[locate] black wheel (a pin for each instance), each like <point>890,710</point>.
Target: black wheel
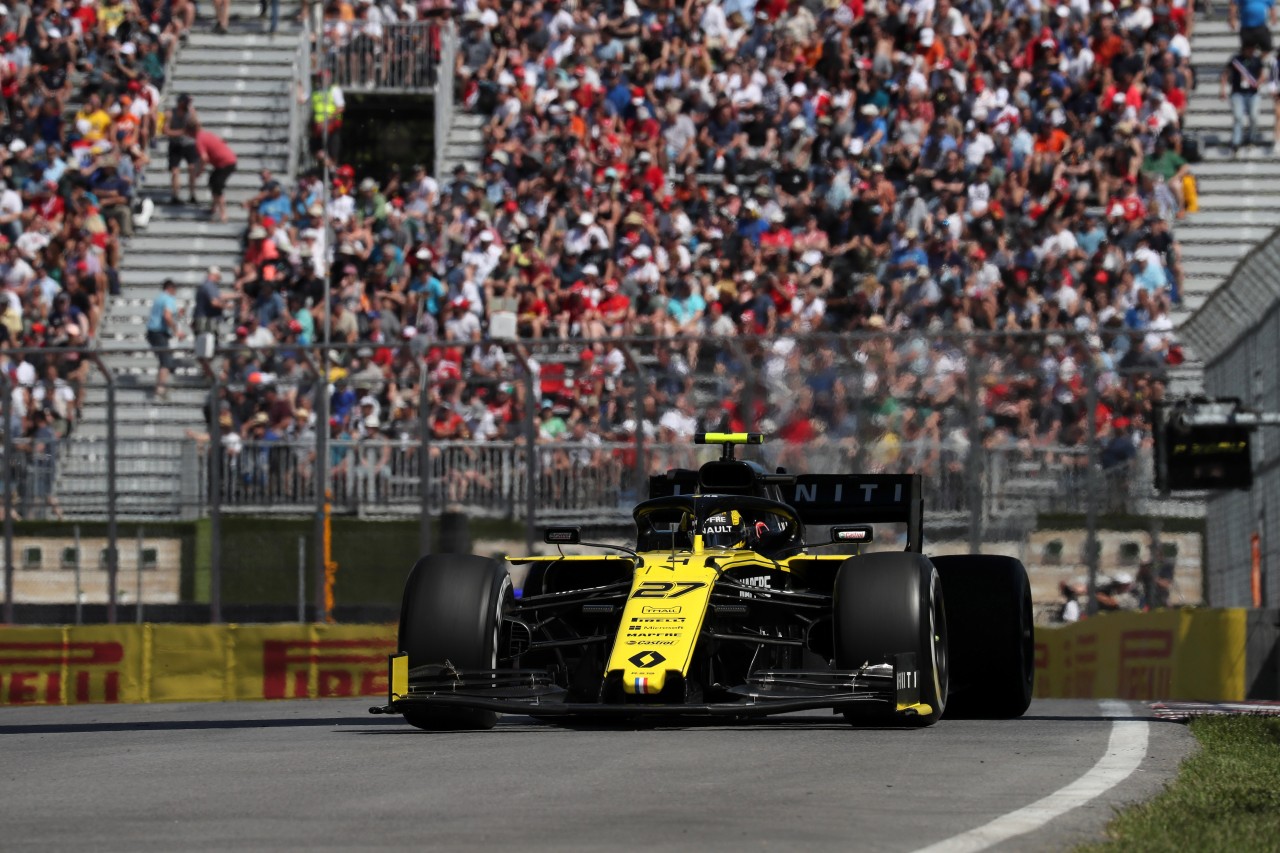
<point>452,611</point>
<point>888,604</point>
<point>992,635</point>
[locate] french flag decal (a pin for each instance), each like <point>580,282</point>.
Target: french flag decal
<point>642,686</point>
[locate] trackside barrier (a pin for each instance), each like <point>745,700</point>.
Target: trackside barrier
<point>1176,654</point>
<point>1196,654</point>
<point>191,663</point>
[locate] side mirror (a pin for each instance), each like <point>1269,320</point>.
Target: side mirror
<point>562,536</point>
<point>852,534</point>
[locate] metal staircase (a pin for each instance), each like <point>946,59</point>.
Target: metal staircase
<point>1238,195</point>
<point>241,83</point>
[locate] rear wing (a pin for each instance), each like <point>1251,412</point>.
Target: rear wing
<point>829,498</point>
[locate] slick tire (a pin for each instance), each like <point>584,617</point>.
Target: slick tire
<point>988,602</point>
<point>452,611</point>
<point>887,604</point>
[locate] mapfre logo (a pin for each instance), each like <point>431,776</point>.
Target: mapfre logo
<point>33,673</point>
<point>340,668</point>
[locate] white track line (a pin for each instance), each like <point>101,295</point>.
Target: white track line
<point>1125,751</point>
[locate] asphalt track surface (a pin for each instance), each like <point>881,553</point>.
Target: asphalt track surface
<point>324,775</point>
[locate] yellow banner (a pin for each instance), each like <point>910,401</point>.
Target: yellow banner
<point>318,661</point>
<point>1194,654</point>
<point>191,663</point>
<point>54,666</point>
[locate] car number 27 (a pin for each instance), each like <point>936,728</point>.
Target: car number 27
<point>666,589</point>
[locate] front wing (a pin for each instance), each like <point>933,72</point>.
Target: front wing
<point>875,690</point>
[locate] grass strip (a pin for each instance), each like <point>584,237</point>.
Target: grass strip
<point>1226,795</point>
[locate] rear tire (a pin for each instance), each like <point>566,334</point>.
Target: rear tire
<point>992,635</point>
<point>887,604</point>
<point>451,611</point>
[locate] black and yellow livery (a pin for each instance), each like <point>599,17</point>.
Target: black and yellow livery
<point>723,608</point>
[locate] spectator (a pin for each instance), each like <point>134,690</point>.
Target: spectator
<point>1116,593</point>
<point>162,326</point>
<point>210,304</point>
<point>180,126</point>
<point>1244,75</point>
<point>1255,20</point>
<point>327,106</point>
<point>215,153</point>
<point>222,16</point>
<point>44,462</point>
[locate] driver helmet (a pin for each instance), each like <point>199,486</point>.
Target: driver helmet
<point>724,530</point>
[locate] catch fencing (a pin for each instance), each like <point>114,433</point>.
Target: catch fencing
<point>538,432</point>
<point>1237,333</point>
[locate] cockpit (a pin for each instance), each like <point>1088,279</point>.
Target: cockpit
<point>720,522</point>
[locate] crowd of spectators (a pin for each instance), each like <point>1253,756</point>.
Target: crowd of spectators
<point>735,174</point>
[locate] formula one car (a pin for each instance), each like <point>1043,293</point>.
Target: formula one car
<point>722,609</point>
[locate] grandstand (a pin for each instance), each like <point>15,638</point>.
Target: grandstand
<point>733,172</point>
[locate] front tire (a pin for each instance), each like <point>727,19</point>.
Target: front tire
<point>451,611</point>
<point>887,604</point>
<point>992,635</point>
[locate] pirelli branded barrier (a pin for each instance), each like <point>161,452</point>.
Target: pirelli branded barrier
<point>1168,654</point>
<point>1175,654</point>
<point>192,663</point>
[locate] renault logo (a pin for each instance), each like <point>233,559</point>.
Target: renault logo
<point>646,660</point>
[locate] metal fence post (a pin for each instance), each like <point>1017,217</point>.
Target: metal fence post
<point>215,488</point>
<point>302,579</point>
<point>113,561</point>
<point>424,458</point>
<point>8,500</point>
<point>642,387</point>
<point>1094,486</point>
<point>531,461</point>
<point>79,588</point>
<point>321,472</point>
<point>137,603</point>
<point>973,464</point>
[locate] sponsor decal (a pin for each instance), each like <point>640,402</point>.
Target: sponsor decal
<point>666,589</point>
<point>908,679</point>
<point>671,608</point>
<point>32,673</point>
<point>761,581</point>
<point>858,492</point>
<point>342,667</point>
<point>647,659</point>
<point>641,623</point>
<point>1146,664</point>
<point>851,535</point>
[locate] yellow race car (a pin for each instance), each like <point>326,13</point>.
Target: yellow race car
<point>723,608</point>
